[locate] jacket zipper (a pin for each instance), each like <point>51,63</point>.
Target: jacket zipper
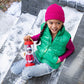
<point>45,50</point>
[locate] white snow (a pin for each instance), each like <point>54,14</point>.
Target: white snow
<point>15,9</point>
<point>6,23</point>
<point>23,27</point>
<point>73,0</point>
<point>77,1</point>
<point>4,60</point>
<point>14,43</point>
<point>9,18</point>
<point>73,18</point>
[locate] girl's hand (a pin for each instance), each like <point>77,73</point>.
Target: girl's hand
<point>58,61</point>
<point>27,38</point>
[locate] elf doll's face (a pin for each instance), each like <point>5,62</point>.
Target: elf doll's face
<point>29,51</point>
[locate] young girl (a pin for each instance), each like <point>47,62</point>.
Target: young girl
<point>55,45</point>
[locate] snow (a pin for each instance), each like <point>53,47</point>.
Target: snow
<point>15,9</point>
<point>5,62</point>
<point>73,18</point>
<point>14,43</point>
<point>9,18</point>
<point>27,24</point>
<point>77,1</point>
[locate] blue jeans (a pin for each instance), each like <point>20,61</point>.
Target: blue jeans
<point>39,69</point>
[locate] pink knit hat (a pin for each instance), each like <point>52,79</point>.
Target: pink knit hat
<point>55,11</point>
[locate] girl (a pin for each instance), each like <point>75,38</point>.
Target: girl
<point>55,46</point>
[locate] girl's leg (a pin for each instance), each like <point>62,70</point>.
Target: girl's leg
<point>17,67</point>
<point>39,69</point>
<point>36,71</point>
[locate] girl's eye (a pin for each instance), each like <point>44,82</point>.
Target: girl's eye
<point>51,22</point>
<point>58,23</point>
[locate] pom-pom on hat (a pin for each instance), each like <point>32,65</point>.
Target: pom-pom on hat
<point>55,11</point>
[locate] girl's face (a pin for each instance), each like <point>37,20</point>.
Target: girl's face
<point>54,26</point>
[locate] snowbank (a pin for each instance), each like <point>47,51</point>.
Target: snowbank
<point>78,4</point>
<point>15,9</point>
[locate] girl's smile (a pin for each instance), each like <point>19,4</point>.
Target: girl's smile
<point>53,30</point>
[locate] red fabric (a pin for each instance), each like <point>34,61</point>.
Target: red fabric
<point>70,49</point>
<point>35,37</point>
<point>30,57</point>
<point>69,46</point>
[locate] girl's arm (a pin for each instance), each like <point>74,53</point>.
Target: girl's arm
<point>70,49</point>
<point>35,37</point>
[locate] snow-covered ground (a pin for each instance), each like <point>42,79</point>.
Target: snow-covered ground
<point>27,24</point>
<point>77,1</point>
<point>8,19</point>
<point>15,9</point>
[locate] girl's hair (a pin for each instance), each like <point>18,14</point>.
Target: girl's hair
<point>62,27</point>
<point>41,33</point>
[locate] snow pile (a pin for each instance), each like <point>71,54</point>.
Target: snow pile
<point>6,23</point>
<point>8,19</point>
<point>76,1</point>
<point>4,60</point>
<point>15,9</point>
<point>81,1</point>
<point>14,42</point>
<point>73,18</point>
<point>78,4</point>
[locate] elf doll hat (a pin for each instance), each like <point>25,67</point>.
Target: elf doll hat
<point>29,47</point>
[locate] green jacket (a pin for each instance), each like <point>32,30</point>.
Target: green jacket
<point>49,51</point>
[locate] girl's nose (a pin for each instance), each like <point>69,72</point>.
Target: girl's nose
<point>54,25</point>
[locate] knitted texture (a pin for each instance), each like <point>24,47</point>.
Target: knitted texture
<point>55,11</point>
